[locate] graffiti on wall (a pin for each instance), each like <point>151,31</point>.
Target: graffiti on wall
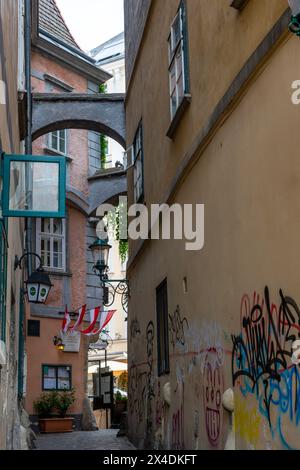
<point>135,328</point>
<point>178,424</point>
<point>177,328</point>
<point>264,358</point>
<point>213,389</point>
<point>248,421</point>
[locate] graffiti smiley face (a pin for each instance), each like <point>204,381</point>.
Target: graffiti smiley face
<point>212,396</point>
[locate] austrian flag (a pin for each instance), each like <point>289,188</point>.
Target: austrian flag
<point>95,315</point>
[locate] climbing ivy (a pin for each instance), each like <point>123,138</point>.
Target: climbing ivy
<point>103,138</point>
<point>114,221</point>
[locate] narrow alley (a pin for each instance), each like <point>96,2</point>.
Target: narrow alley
<point>94,440</point>
<point>149,226</point>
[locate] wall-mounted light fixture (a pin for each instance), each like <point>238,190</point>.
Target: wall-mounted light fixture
<point>58,343</point>
<point>294,25</point>
<point>100,251</point>
<point>38,284</point>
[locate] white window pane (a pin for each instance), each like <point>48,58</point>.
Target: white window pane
<point>57,253</point>
<point>45,252</point>
<point>57,226</point>
<point>172,78</point>
<point>180,90</point>
<point>54,140</point>
<point>46,225</point>
<point>178,63</point>
<point>174,103</point>
<point>176,31</point>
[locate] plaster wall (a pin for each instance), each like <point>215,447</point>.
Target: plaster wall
<point>248,178</point>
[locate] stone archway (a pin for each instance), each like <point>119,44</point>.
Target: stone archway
<point>103,113</point>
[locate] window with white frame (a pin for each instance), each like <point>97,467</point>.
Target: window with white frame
<point>138,170</point>
<point>58,141</point>
<point>178,60</point>
<point>51,243</point>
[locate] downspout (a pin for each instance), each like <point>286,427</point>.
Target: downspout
<point>28,140</point>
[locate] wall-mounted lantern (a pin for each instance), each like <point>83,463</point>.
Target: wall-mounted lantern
<point>294,25</point>
<point>58,343</point>
<point>38,284</point>
<point>100,251</point>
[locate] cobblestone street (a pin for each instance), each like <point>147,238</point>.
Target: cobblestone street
<point>105,439</point>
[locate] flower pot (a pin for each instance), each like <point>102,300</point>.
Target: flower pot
<point>56,425</point>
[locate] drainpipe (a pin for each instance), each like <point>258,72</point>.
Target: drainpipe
<point>28,141</point>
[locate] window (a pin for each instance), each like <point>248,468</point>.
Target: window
<point>163,360</point>
<point>138,170</point>
<point>178,60</point>
<point>56,377</point>
<point>51,243</point>
<point>58,141</point>
<point>33,328</point>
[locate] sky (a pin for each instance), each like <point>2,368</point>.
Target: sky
<point>92,22</point>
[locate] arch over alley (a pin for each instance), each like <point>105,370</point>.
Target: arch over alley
<point>102,113</point>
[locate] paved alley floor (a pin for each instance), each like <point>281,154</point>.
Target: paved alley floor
<point>105,439</point>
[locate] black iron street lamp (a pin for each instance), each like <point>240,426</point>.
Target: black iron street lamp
<point>294,25</point>
<point>38,285</point>
<point>100,251</point>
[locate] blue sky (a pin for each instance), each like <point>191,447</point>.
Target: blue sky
<point>92,22</point>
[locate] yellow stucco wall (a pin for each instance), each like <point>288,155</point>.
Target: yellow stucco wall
<point>248,178</point>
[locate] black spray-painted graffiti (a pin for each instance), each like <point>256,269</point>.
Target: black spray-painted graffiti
<point>150,384</point>
<point>141,386</point>
<point>177,327</point>
<point>262,356</point>
<point>135,329</point>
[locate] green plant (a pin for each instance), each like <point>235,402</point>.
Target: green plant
<point>122,381</point>
<point>119,397</point>
<point>63,401</point>
<point>45,404</point>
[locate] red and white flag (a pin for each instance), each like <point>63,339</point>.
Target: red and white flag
<point>94,314</point>
<point>81,313</point>
<point>105,318</point>
<point>66,321</point>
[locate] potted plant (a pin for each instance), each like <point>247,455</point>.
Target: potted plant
<point>59,401</point>
<point>120,406</point>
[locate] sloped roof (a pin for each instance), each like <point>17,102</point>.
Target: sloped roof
<point>110,50</point>
<point>51,21</point>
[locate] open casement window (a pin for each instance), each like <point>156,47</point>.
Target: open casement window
<point>138,169</point>
<point>33,186</point>
<point>51,243</point>
<point>56,377</point>
<point>57,141</point>
<point>178,60</point>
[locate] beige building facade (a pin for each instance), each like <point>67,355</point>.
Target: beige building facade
<point>226,316</point>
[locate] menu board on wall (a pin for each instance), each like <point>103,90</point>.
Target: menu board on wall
<point>72,341</point>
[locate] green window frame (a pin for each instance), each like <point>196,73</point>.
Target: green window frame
<point>3,278</point>
<point>55,379</point>
<point>179,73</point>
<point>61,161</point>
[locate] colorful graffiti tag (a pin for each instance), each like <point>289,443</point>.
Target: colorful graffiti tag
<point>262,358</point>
